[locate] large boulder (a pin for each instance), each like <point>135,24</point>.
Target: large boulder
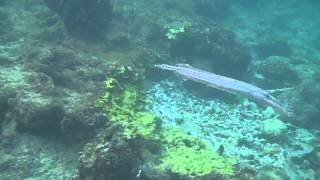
<point>306,103</point>
<point>81,120</point>
<point>84,18</point>
<point>109,156</point>
<point>273,48</point>
<point>36,114</point>
<point>215,9</point>
<point>278,71</point>
<point>213,46</point>
<point>5,25</point>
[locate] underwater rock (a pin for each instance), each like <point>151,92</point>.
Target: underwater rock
<point>246,174</point>
<point>5,25</point>
<point>272,174</point>
<point>57,63</point>
<point>82,120</point>
<point>214,44</point>
<point>36,114</point>
<point>273,48</point>
<point>62,66</point>
<point>303,150</point>
<point>109,156</point>
<point>82,18</point>
<point>51,28</point>
<point>273,129</point>
<point>313,158</point>
<point>4,60</point>
<point>278,71</point>
<point>306,104</point>
<point>7,127</point>
<point>5,160</point>
<point>215,9</point>
<point>5,94</point>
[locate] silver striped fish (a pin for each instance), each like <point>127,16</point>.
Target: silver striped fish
<point>227,84</point>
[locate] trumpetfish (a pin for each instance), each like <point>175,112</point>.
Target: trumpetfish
<point>227,84</point>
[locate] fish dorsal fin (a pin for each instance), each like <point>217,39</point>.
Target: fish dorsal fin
<point>166,67</point>
<point>184,65</point>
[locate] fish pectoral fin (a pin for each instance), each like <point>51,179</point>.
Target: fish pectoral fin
<point>279,90</point>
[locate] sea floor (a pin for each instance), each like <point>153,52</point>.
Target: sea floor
<point>30,157</point>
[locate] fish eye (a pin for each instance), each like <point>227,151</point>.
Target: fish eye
<point>267,96</point>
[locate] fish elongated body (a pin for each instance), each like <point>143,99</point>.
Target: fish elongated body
<point>226,84</point>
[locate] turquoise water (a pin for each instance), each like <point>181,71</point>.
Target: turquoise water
<point>80,97</point>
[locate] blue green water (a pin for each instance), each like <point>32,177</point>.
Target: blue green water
<point>80,97</point>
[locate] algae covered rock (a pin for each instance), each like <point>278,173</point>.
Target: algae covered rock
<point>189,156</point>
<point>123,103</point>
<point>125,108</point>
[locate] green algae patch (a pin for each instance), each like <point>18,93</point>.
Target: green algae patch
<point>124,108</point>
<point>189,156</point>
<point>123,103</point>
<point>146,124</point>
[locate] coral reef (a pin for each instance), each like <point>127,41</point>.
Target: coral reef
<point>274,129</point>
